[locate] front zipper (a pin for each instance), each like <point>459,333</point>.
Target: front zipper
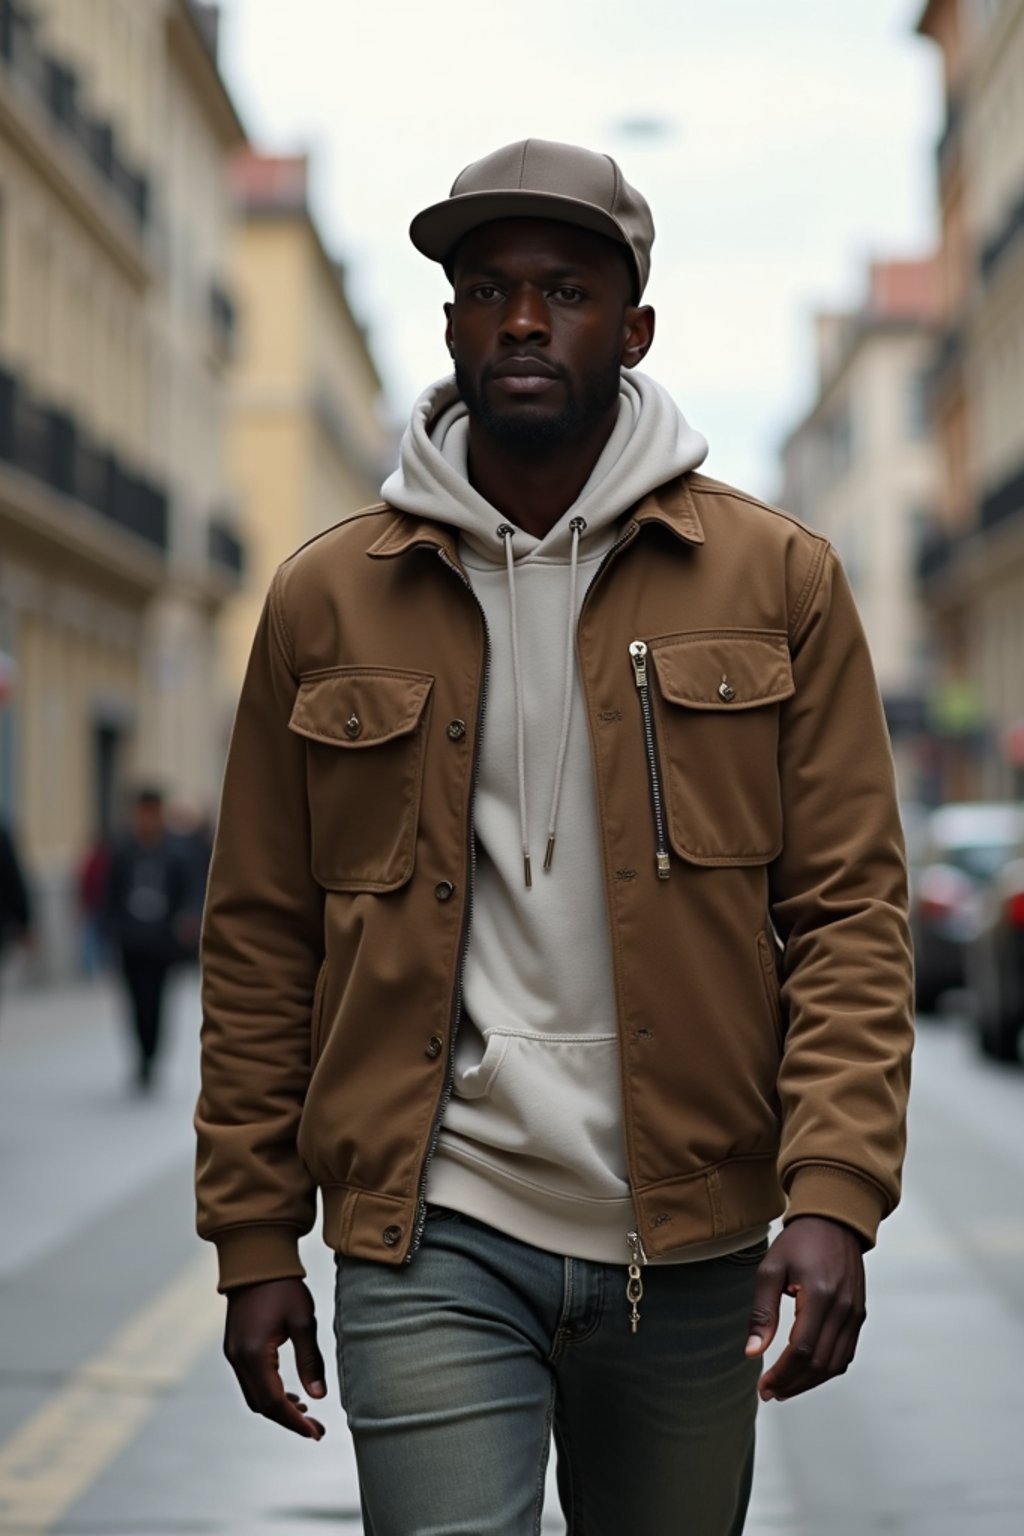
<point>638,656</point>
<point>456,1015</point>
<point>421,1214</point>
<point>634,1281</point>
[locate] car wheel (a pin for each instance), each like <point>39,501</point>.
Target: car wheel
<point>998,1026</point>
<point>999,1040</point>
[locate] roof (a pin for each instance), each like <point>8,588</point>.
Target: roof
<point>270,183</point>
<point>903,290</point>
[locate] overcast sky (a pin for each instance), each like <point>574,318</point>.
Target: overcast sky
<point>787,142</point>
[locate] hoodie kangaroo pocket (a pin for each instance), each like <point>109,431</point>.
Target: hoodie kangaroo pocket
<point>365,739</point>
<point>548,1108</point>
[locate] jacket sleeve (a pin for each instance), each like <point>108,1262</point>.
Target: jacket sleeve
<point>839,903</point>
<point>261,949</point>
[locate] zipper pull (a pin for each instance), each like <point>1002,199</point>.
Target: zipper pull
<point>638,656</point>
<point>635,1284</point>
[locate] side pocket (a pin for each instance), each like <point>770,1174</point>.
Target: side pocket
<point>316,1020</point>
<point>770,981</point>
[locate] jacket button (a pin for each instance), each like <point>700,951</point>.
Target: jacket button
<point>435,1045</point>
<point>353,725</point>
<point>391,1236</point>
<point>726,692</point>
<point>444,890</point>
<point>456,729</point>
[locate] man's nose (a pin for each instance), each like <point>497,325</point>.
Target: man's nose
<point>526,316</point>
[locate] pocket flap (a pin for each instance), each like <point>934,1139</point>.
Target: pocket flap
<point>724,669</point>
<point>360,706</point>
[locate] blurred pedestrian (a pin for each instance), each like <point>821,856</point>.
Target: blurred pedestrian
<point>92,889</point>
<point>147,890</point>
<point>15,903</point>
<point>553,1106</point>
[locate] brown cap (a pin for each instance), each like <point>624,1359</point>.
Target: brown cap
<point>538,179</point>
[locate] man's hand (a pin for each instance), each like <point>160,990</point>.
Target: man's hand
<point>260,1319</point>
<point>819,1263</point>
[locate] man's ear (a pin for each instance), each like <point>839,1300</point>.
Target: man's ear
<point>449,340</point>
<point>639,320</point>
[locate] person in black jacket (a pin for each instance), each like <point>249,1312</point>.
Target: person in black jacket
<point>15,906</point>
<point>147,891</point>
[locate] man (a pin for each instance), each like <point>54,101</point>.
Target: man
<point>15,903</point>
<point>146,892</point>
<point>556,926</point>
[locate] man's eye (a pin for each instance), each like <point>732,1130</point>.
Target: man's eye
<point>568,294</point>
<point>486,291</point>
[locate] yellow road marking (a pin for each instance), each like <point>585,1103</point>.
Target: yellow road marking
<point>60,1451</point>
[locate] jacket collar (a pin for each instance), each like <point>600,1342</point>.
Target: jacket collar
<point>671,504</point>
<point>406,532</point>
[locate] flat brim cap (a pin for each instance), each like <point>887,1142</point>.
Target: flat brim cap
<point>539,179</point>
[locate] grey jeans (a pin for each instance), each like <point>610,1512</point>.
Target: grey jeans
<point>455,1369</point>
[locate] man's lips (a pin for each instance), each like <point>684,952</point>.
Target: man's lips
<point>524,375</point>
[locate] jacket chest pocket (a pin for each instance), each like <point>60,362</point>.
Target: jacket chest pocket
<point>717,706</point>
<point>365,741</point>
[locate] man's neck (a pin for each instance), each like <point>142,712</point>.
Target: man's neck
<point>533,489</point>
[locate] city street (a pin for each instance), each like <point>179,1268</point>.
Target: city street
<point>118,1416</point>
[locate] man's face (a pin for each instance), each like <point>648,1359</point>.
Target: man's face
<point>539,328</point>
<point>148,820</point>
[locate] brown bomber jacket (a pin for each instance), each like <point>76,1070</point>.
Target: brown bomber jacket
<point>759,1075</point>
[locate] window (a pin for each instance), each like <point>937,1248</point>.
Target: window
<point>3,257</point>
<point>919,418</point>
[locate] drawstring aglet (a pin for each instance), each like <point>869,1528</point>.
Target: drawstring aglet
<point>527,871</point>
<point>549,853</point>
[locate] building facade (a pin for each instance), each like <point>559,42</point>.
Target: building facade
<point>973,568</point>
<point>861,466</point>
<point>308,440</point>
<point>116,546</point>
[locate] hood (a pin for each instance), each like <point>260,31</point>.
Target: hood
<point>651,443</point>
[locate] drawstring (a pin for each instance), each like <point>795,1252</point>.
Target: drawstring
<point>578,526</point>
<point>505,533</point>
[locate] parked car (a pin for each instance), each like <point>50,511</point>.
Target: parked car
<point>966,847</point>
<point>994,962</point>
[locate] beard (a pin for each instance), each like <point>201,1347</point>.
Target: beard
<point>523,427</point>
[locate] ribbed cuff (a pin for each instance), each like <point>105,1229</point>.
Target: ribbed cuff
<point>821,1189</point>
<point>247,1255</point>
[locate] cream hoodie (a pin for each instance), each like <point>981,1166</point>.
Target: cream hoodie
<point>531,1140</point>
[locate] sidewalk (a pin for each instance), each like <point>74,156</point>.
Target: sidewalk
<point>74,1138</point>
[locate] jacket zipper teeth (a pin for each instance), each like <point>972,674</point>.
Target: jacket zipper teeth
<point>435,1134</point>
<point>638,657</point>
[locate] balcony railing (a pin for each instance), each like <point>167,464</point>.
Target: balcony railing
<point>56,88</point>
<point>49,445</point>
<point>936,553</point>
<point>1003,501</point>
<point>995,251</point>
<point>947,361</point>
<point>1000,506</point>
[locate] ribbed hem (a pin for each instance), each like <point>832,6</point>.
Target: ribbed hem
<point>564,1224</point>
<point>247,1255</point>
<point>822,1189</point>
